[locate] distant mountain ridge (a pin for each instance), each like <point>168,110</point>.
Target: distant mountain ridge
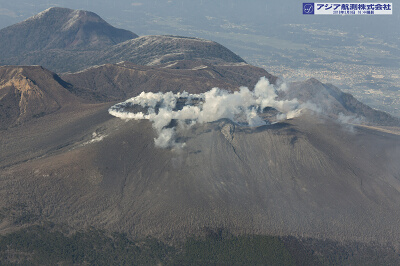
<point>111,82</point>
<point>66,40</point>
<point>60,28</point>
<point>160,49</point>
<point>332,101</point>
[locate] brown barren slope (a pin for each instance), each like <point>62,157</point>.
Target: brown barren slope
<point>29,92</point>
<point>123,80</point>
<point>305,177</point>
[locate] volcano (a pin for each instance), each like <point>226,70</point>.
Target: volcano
<point>308,175</point>
<point>314,178</point>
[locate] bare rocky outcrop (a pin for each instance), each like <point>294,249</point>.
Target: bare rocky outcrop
<point>30,92</point>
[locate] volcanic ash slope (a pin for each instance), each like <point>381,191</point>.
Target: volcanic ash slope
<point>305,176</point>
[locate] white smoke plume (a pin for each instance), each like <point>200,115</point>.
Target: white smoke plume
<point>167,111</point>
<point>348,121</point>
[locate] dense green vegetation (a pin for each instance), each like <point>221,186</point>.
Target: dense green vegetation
<point>50,244</point>
<point>41,245</point>
<point>217,249</point>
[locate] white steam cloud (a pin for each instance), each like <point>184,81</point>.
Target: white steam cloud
<point>169,111</point>
<point>348,121</point>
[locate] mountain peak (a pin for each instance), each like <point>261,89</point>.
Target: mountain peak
<point>72,15</point>
<point>313,81</point>
<point>47,14</point>
<point>60,28</point>
<point>83,39</point>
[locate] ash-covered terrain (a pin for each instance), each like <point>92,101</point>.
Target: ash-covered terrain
<point>194,149</point>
